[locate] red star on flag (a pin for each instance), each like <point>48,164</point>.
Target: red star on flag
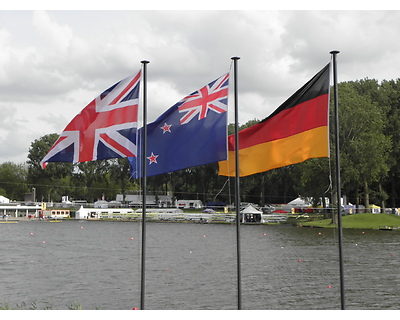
<point>152,158</point>
<point>166,128</point>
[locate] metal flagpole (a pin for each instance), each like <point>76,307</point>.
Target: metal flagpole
<point>237,186</point>
<point>338,183</point>
<point>144,184</point>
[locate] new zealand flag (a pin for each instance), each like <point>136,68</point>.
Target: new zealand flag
<point>191,133</point>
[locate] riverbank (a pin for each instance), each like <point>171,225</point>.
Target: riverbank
<point>355,221</point>
<point>360,221</point>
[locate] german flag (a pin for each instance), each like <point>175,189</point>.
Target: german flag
<point>296,131</point>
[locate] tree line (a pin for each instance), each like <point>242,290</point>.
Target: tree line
<point>369,139</point>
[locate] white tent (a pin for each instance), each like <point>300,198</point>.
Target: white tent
<point>101,204</point>
<point>4,199</point>
<point>251,214</point>
<point>81,213</point>
<point>298,202</point>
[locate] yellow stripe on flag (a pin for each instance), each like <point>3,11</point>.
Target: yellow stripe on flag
<point>278,153</point>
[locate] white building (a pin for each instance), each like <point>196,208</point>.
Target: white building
<point>189,204</point>
<point>135,200</point>
<point>18,210</point>
<point>96,213</point>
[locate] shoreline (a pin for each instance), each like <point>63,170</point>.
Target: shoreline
<point>384,222</point>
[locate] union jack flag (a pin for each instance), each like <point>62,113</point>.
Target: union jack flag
<point>104,129</point>
<point>211,97</point>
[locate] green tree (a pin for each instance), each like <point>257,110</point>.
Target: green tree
<point>92,178</point>
<point>390,92</point>
<point>313,180</point>
<point>13,180</point>
<point>119,176</point>
<point>52,182</point>
<point>363,145</point>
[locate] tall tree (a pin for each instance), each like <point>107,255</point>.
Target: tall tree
<point>93,179</point>
<point>363,145</point>
<point>13,180</point>
<point>390,92</point>
<point>50,183</point>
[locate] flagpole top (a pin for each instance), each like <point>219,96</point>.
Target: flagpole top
<point>145,61</point>
<point>235,58</point>
<point>335,52</point>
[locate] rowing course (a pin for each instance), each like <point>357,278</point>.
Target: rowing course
<point>193,267</point>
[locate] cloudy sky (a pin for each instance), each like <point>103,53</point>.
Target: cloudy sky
<point>54,62</point>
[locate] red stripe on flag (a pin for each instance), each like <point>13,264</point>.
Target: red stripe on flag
<point>302,117</point>
<point>126,152</point>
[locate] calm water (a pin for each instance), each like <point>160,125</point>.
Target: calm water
<point>96,265</point>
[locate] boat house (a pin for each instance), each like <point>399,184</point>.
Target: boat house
<point>20,210</point>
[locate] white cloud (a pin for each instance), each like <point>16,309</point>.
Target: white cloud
<point>55,35</point>
<point>53,63</point>
<point>14,137</point>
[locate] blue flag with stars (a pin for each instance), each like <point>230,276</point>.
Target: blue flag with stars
<point>191,133</point>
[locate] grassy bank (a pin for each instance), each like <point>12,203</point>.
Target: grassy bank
<point>359,221</point>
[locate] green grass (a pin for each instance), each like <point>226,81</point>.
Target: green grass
<point>360,221</point>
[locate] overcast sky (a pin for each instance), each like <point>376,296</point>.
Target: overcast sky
<point>53,63</point>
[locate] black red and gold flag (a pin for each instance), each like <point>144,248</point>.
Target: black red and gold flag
<point>294,132</point>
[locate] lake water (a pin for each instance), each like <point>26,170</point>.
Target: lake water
<point>96,265</point>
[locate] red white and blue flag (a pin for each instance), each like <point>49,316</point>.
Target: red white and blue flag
<point>104,129</point>
<point>191,133</point>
